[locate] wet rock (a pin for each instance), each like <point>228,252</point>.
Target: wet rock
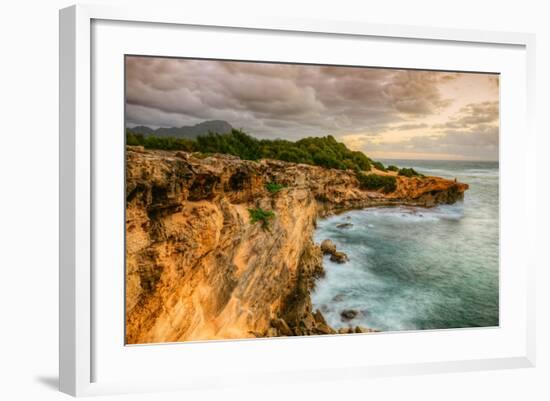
<point>318,272</point>
<point>281,326</point>
<point>338,298</point>
<point>319,318</point>
<point>297,331</point>
<point>348,314</point>
<point>344,225</point>
<point>345,330</point>
<point>360,329</point>
<point>328,247</point>
<point>339,257</point>
<point>324,329</point>
<point>308,323</point>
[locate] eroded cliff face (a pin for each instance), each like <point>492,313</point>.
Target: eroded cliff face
<point>197,269</point>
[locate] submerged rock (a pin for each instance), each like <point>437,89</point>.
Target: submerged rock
<point>344,225</point>
<point>338,298</point>
<point>348,314</point>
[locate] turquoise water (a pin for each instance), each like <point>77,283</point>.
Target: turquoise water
<point>415,268</point>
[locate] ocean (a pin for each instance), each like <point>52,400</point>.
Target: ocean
<point>415,268</point>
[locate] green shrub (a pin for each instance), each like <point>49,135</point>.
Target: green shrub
<point>387,183</point>
<point>274,187</point>
<point>235,143</point>
<point>155,142</point>
<point>392,168</point>
<point>258,214</point>
<point>409,172</point>
<point>379,166</point>
<point>201,155</point>
<point>134,139</point>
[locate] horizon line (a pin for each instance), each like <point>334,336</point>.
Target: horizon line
<point>442,160</point>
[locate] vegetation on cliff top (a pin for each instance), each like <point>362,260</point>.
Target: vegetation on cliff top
<point>379,166</point>
<point>409,172</point>
<point>391,167</point>
<point>317,151</point>
<point>387,183</point>
<point>321,151</point>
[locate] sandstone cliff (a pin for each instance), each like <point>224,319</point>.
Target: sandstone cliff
<point>197,269</point>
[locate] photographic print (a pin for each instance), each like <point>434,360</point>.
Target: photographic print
<point>278,199</point>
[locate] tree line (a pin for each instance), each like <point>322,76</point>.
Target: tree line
<point>321,151</point>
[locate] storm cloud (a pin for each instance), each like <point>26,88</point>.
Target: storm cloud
<point>292,101</point>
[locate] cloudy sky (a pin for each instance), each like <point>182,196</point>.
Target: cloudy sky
<point>386,113</point>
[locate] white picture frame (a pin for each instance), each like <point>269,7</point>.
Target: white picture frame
<point>80,343</point>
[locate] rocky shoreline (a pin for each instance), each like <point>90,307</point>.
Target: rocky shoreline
<point>197,268</point>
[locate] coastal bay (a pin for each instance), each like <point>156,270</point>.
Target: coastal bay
<point>199,266</point>
<point>413,268</point>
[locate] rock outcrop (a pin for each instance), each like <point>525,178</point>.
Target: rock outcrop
<point>329,248</point>
<point>339,257</point>
<point>197,268</point>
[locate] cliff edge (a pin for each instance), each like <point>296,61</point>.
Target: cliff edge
<point>198,269</point>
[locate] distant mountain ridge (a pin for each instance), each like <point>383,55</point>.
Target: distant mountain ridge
<point>188,131</point>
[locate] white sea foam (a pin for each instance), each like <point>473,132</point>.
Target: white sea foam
<point>414,268</point>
